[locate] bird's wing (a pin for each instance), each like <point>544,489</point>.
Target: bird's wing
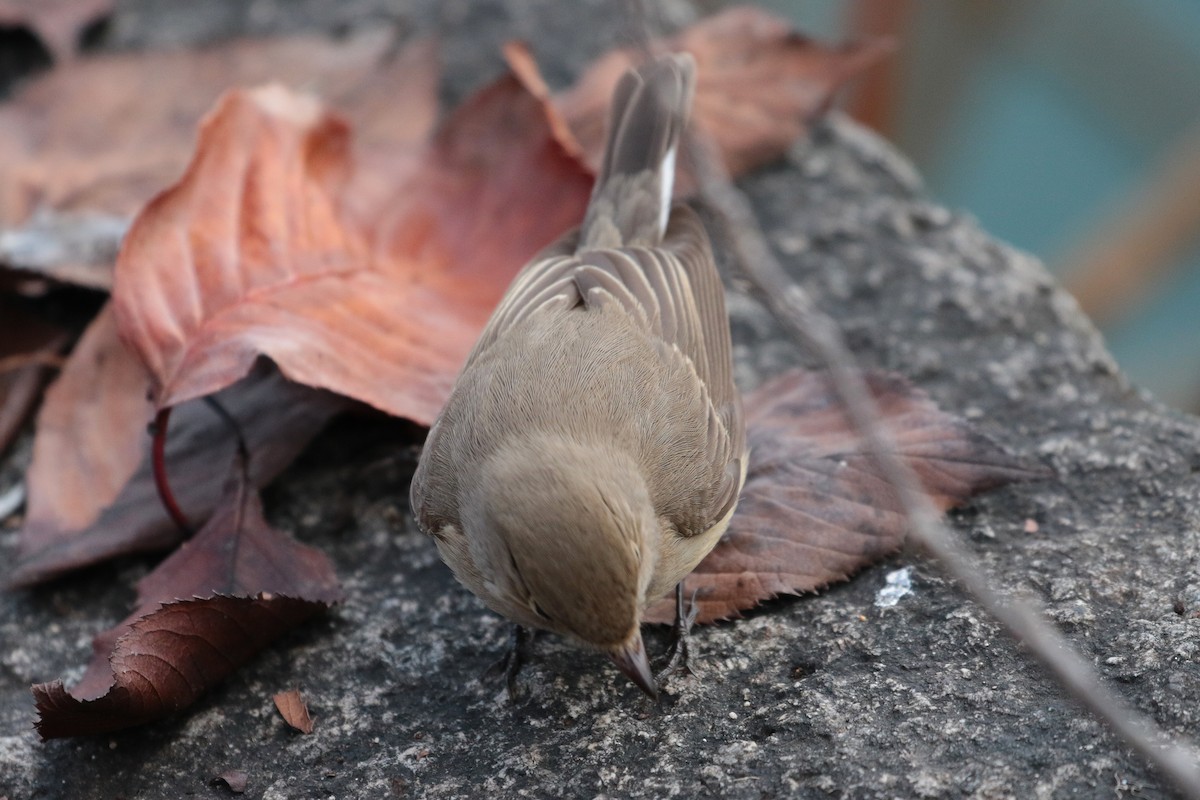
<point>674,294</point>
<point>676,291</point>
<point>548,281</point>
<point>544,282</point>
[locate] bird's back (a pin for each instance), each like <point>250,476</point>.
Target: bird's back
<point>592,377</point>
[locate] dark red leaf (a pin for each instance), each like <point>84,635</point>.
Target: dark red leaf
<point>815,508</point>
<point>208,608</point>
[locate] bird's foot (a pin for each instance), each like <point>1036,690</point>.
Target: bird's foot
<point>676,659</point>
<point>509,665</point>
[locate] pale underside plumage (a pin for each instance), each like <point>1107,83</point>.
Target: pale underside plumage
<point>601,389</point>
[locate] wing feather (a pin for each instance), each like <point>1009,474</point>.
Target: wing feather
<point>674,294</point>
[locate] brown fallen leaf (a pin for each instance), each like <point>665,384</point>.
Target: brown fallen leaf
<point>107,133</point>
<point>814,509</point>
<point>381,303</point>
<point>88,144</point>
<point>58,23</point>
<point>90,430</point>
<point>397,283</point>
<point>91,488</point>
<point>759,83</point>
<point>235,779</point>
<point>29,353</point>
<point>210,606</point>
<point>293,709</point>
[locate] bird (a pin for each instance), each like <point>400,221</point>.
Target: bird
<point>593,448</point>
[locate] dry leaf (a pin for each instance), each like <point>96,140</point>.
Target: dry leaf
<point>94,140</point>
<point>815,508</point>
<point>91,488</point>
<point>209,607</point>
<point>294,710</point>
<point>58,23</point>
<point>398,284</point>
<point>235,779</point>
<point>90,431</point>
<point>91,142</point>
<point>29,351</point>
<point>758,85</point>
<point>379,303</point>
<point>106,134</point>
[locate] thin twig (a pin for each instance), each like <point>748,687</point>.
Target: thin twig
<point>796,311</point>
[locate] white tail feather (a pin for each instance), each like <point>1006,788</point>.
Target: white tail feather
<point>667,181</point>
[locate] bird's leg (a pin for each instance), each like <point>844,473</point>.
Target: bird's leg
<point>509,665</point>
<point>677,650</point>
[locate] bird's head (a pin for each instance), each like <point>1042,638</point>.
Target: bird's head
<point>568,544</point>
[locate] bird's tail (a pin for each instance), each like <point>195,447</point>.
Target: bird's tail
<point>632,197</point>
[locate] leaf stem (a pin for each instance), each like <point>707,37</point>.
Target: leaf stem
<point>236,429</point>
<point>161,482</point>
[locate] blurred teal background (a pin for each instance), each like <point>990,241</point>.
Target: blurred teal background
<point>1070,129</point>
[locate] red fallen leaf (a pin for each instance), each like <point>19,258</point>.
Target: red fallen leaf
<point>91,487</point>
<point>248,583</point>
<point>256,251</point>
<point>235,779</point>
<point>398,285</point>
<point>89,143</point>
<point>814,509</point>
<point>58,23</point>
<point>89,430</point>
<point>89,498</point>
<point>29,350</point>
<point>758,85</point>
<point>106,134</point>
<point>294,710</point>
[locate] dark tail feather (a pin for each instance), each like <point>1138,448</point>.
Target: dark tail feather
<point>632,195</point>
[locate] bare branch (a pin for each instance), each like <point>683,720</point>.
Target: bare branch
<point>795,310</point>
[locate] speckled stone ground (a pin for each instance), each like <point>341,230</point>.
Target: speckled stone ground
<point>825,696</point>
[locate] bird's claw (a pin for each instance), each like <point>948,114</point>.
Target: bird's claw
<point>509,665</point>
<point>677,657</point>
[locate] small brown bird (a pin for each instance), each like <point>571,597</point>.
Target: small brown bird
<point>592,451</point>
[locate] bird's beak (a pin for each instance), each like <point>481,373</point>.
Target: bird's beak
<point>631,660</point>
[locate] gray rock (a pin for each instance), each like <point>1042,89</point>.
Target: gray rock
<point>824,696</point>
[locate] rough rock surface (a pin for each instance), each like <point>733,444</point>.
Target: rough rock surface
<point>825,696</point>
